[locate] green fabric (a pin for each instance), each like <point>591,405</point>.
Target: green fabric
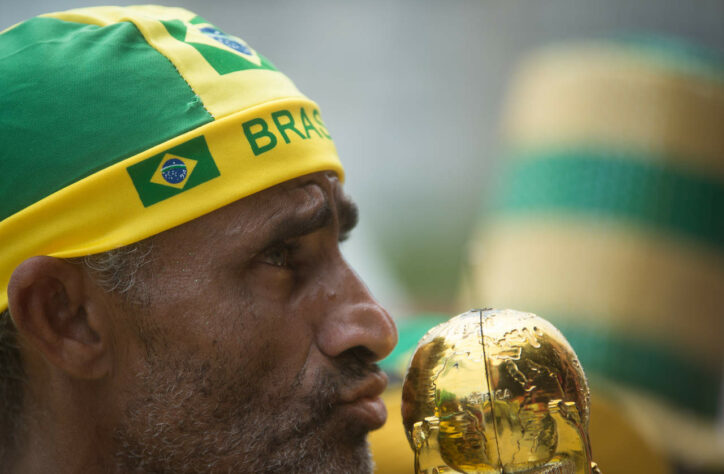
<point>49,98</point>
<point>676,54</point>
<point>198,20</point>
<point>224,62</point>
<point>606,185</point>
<point>659,370</point>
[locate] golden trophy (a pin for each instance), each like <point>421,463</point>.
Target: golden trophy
<point>497,391</point>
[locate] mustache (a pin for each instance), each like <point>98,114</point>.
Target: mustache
<point>355,364</point>
<point>349,369</point>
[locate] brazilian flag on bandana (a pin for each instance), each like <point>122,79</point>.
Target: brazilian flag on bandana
<point>174,171</point>
<point>117,123</point>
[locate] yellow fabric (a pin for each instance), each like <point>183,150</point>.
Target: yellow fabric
<point>617,445</point>
<point>219,93</point>
<point>662,427</point>
<point>103,211</point>
<point>603,95</point>
<point>628,281</point>
<point>585,268</point>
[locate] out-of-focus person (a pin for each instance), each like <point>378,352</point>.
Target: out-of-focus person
<point>609,221</point>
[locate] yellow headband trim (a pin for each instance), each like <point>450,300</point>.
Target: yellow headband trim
<point>249,151</point>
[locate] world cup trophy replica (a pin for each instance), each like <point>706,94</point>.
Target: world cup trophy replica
<point>497,391</point>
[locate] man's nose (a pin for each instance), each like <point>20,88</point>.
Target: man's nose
<point>353,318</point>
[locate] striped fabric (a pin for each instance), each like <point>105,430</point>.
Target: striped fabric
<point>609,221</point>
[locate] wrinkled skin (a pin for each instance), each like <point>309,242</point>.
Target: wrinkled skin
<point>250,347</point>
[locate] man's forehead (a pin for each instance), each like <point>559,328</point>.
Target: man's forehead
<point>299,198</point>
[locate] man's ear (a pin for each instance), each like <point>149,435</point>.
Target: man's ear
<point>53,309</point>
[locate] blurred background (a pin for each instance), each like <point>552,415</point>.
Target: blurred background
<point>412,92</point>
<point>562,157</point>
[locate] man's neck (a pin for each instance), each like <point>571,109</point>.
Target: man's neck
<point>62,434</point>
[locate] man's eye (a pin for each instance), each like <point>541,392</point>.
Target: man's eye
<point>279,255</point>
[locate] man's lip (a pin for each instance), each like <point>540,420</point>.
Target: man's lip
<point>368,411</point>
<point>371,386</point>
<point>362,401</point>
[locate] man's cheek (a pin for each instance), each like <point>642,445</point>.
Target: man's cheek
<point>269,285</point>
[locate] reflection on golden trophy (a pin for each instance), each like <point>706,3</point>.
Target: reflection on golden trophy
<point>497,391</point>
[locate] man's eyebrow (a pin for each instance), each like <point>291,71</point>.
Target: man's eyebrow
<point>296,224</point>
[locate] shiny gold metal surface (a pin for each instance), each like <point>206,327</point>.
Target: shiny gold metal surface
<point>497,391</point>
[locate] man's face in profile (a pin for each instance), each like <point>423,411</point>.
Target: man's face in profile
<point>251,344</point>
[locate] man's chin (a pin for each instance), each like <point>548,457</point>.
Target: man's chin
<point>347,459</point>
<point>339,447</point>
<point>186,418</point>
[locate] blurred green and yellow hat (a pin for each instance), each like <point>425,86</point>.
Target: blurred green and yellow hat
<point>608,221</point>
<point>117,123</point>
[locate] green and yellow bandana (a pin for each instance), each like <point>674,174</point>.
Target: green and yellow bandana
<point>119,123</point>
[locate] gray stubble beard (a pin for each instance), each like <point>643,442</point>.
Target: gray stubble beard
<point>189,418</point>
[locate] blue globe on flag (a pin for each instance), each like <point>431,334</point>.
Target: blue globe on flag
<point>174,171</point>
<point>226,40</point>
